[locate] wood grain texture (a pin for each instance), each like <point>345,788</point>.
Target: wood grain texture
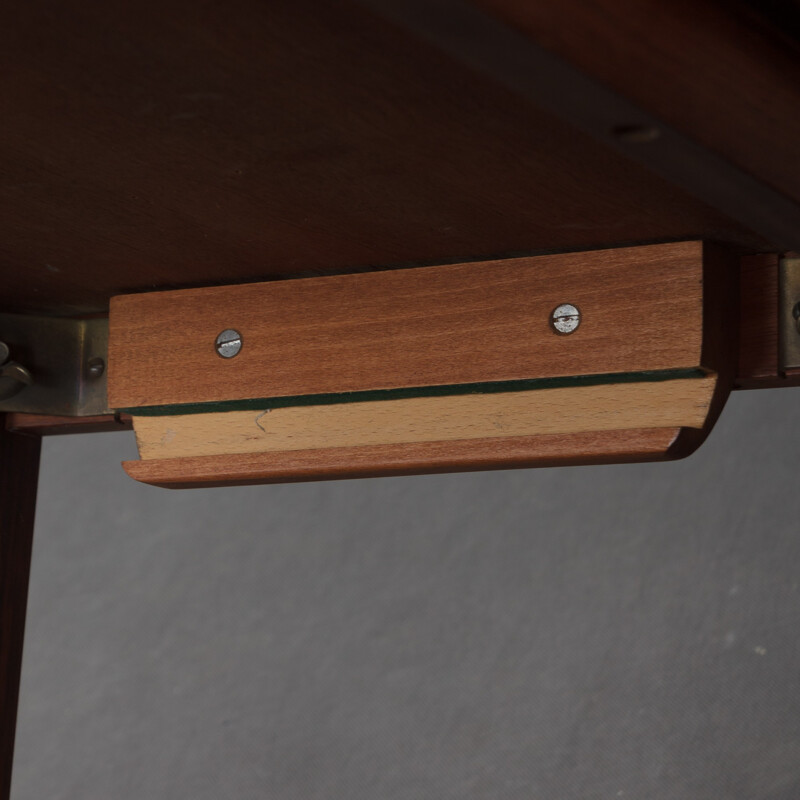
<point>583,409</point>
<point>407,459</point>
<point>758,353</point>
<point>517,61</point>
<point>19,472</point>
<point>641,310</point>
<point>46,425</point>
<point>720,338</point>
<point>708,69</point>
<point>171,143</point>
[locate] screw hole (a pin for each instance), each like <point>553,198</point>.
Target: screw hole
<point>636,134</point>
<point>95,367</point>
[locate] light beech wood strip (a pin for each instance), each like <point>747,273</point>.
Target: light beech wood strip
<point>557,450</point>
<point>642,309</point>
<point>675,403</point>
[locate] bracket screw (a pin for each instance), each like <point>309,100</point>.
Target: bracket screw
<point>565,319</point>
<point>96,367</point>
<point>13,377</point>
<point>228,343</point>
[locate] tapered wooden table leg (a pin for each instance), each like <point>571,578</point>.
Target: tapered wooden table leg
<point>19,473</point>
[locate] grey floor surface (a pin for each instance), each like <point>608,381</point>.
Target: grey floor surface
<point>604,632</point>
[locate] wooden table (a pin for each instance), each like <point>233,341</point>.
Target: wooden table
<point>162,145</point>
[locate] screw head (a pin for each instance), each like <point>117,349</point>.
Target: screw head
<point>565,319</point>
<point>228,343</point>
<point>13,379</point>
<point>95,367</point>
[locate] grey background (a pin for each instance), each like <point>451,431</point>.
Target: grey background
<point>600,632</point>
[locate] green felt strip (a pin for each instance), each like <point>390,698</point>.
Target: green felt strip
<point>493,387</point>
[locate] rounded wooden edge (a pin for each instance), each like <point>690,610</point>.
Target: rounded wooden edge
<point>604,447</point>
<point>720,339</point>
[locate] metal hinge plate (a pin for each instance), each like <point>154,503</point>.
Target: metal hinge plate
<point>66,360</point>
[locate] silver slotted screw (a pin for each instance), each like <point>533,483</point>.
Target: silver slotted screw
<point>229,343</point>
<point>565,319</point>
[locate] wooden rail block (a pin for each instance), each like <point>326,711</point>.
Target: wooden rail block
<point>583,409</point>
<point>453,367</point>
<point>445,325</point>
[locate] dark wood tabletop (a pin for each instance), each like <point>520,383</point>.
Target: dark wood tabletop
<point>172,144</point>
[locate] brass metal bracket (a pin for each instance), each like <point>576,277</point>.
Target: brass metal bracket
<point>789,310</point>
<point>53,365</point>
